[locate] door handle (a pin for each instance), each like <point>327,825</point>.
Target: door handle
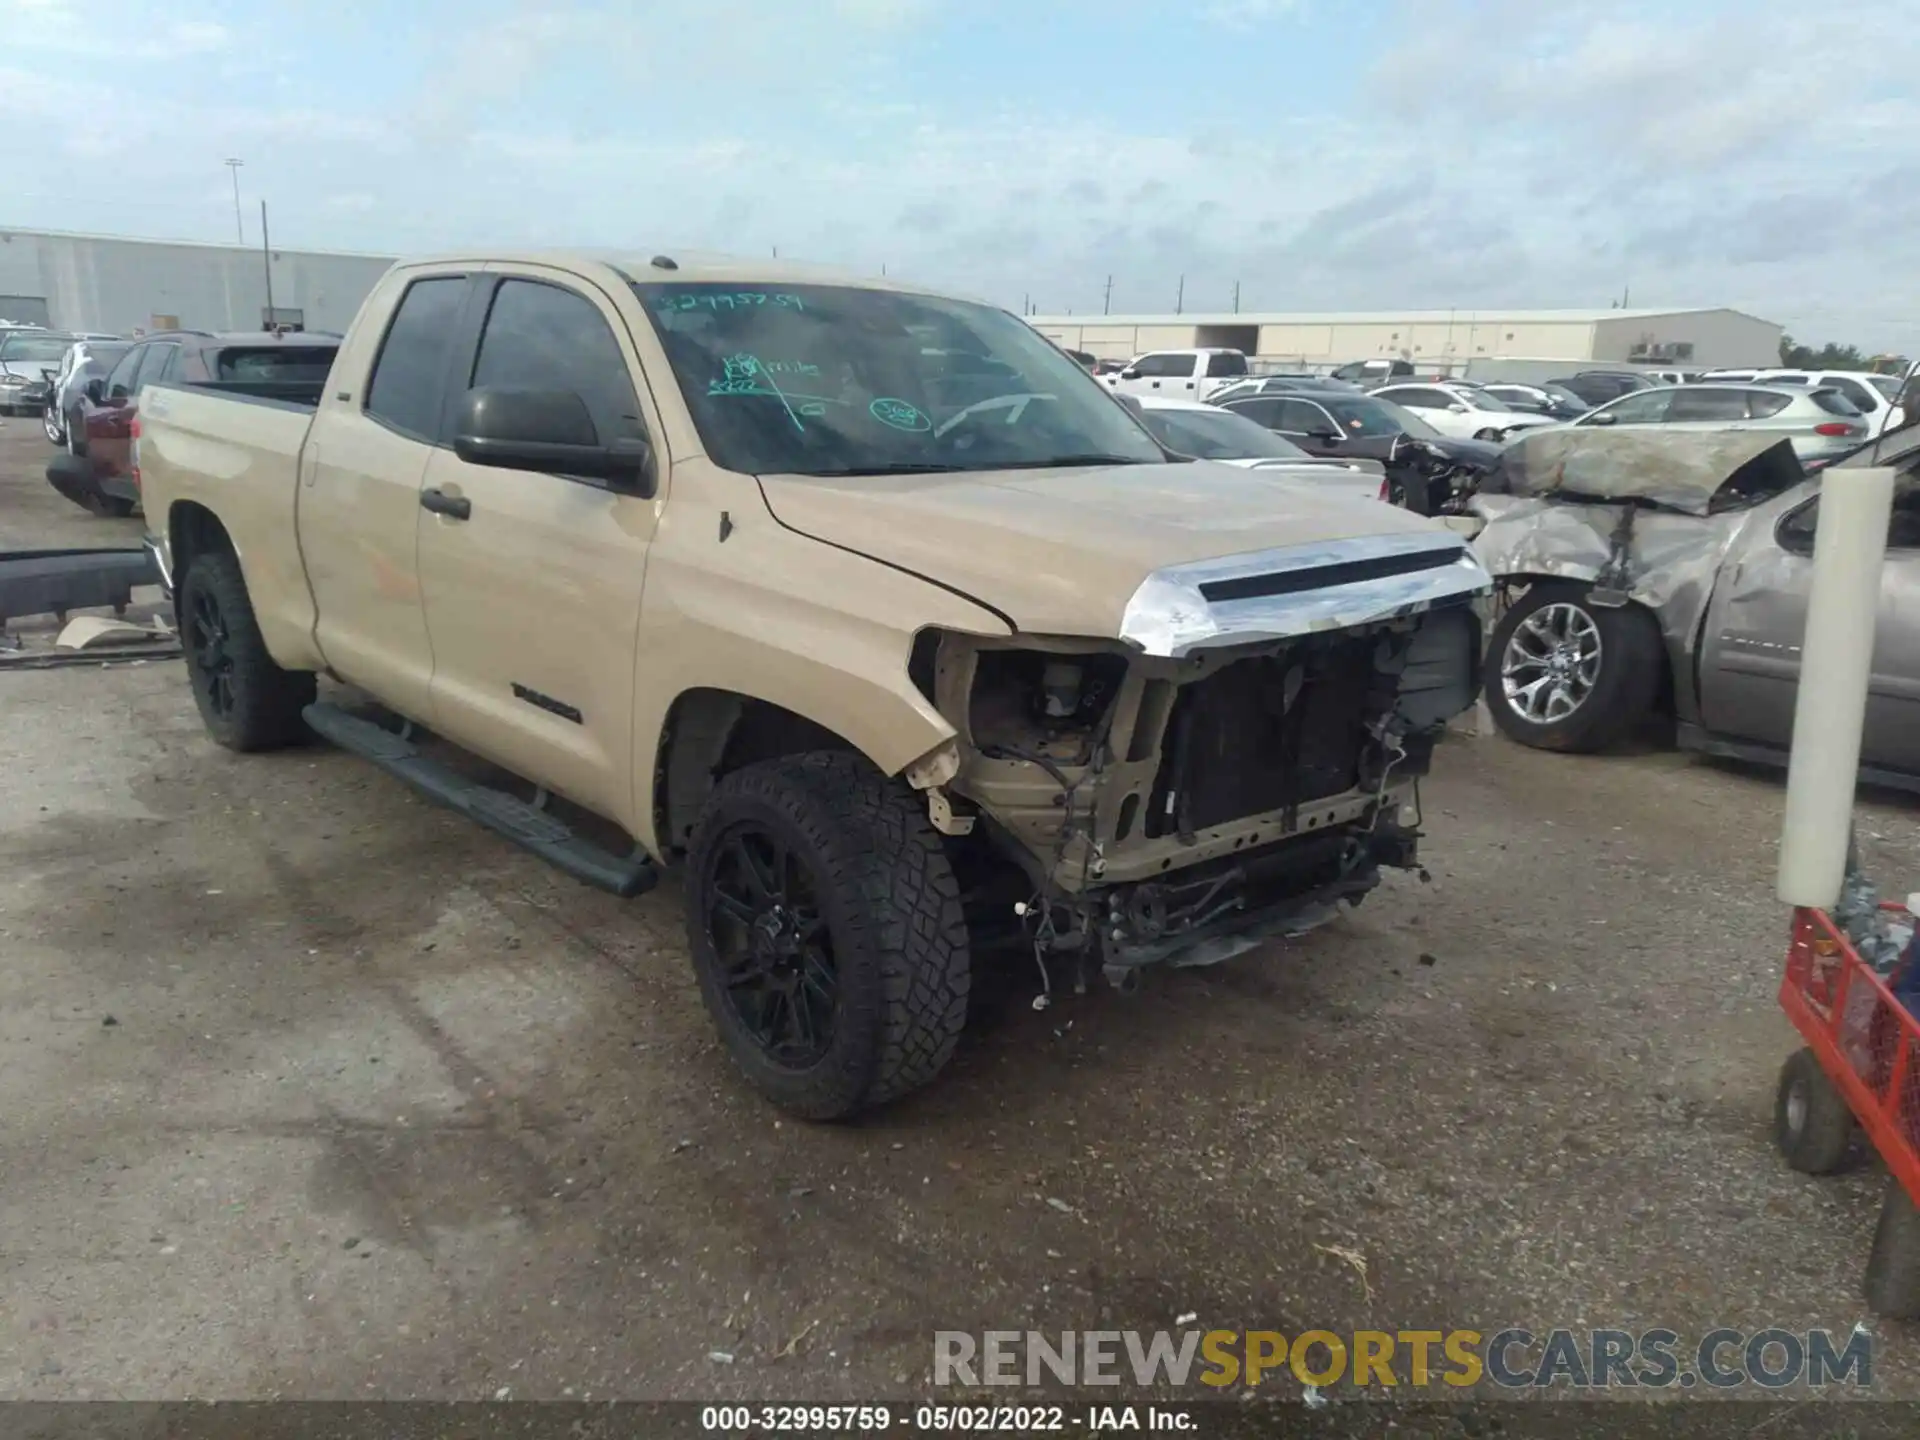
<point>454,507</point>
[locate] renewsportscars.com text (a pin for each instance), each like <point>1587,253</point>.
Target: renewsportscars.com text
<point>1511,1359</point>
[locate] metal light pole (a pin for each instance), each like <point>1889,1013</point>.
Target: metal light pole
<point>239,231</point>
<point>266,262</point>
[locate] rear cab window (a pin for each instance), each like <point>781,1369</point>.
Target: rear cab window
<point>1226,364</point>
<point>409,377</point>
<point>289,364</point>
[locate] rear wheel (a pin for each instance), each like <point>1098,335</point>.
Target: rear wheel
<point>1565,674</point>
<point>50,422</point>
<point>76,433</point>
<point>1893,1265</point>
<point>246,700</point>
<point>827,933</point>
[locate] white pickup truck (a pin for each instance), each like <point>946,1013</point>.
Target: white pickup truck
<point>1179,374</point>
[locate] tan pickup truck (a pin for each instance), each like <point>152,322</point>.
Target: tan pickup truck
<point>867,606</point>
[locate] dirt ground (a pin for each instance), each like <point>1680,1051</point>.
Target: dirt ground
<point>308,1088</point>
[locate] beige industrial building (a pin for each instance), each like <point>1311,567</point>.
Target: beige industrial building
<point>1441,339</point>
<point>125,286</point>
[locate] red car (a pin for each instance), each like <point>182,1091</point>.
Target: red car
<point>99,473</point>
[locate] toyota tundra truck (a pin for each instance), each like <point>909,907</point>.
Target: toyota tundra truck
<point>866,607</point>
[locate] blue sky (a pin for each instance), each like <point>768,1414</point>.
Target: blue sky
<point>1323,154</point>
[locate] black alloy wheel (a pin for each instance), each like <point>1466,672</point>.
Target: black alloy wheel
<point>774,946</point>
<point>207,642</point>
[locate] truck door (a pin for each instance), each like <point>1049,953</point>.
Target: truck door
<point>360,476</point>
<point>1750,661</point>
<point>532,579</point>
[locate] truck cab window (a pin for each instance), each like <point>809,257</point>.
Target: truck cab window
<point>1226,364</point>
<point>543,337</point>
<point>409,376</point>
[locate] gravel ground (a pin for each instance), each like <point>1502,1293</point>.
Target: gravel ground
<point>308,1088</point>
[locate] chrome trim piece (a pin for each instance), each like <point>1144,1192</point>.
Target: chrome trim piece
<point>151,544</point>
<point>1169,616</point>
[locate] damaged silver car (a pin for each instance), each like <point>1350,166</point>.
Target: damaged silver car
<point>1642,573</point>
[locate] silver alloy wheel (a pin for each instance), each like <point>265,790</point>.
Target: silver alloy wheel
<point>50,422</point>
<point>1551,664</point>
<point>1797,1110</point>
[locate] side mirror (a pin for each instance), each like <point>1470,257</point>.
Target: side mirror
<point>96,390</point>
<point>1325,437</point>
<point>1604,419</point>
<point>546,430</point>
<point>1457,408</point>
<point>1132,372</point>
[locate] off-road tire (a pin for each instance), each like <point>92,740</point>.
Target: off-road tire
<point>1632,658</point>
<point>266,700</point>
<point>893,911</point>
<point>1893,1265</point>
<point>1812,1125</point>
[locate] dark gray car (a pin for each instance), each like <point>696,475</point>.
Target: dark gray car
<point>1644,571</point>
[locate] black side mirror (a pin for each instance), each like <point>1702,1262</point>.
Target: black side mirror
<point>1325,437</point>
<point>1130,373</point>
<point>550,431</point>
<point>96,390</point>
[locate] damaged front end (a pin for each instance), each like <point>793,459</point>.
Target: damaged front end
<point>1247,757</point>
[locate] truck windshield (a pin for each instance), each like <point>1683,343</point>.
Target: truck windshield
<point>839,380</point>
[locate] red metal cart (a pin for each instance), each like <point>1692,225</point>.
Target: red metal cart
<point>1860,1073</point>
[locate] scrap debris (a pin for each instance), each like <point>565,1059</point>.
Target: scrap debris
<point>1351,1257</point>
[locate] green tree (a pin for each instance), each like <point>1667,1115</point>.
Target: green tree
<point>1827,357</point>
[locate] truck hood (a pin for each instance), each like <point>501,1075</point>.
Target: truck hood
<point>1061,552</point>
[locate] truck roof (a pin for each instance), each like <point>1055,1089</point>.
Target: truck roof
<point>683,267</point>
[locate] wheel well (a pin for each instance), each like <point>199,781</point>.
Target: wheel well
<point>192,530</point>
<point>710,734</point>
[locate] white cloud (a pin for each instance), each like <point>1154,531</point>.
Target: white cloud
<point>1499,153</point>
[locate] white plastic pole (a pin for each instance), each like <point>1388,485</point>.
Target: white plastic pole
<point>1836,660</point>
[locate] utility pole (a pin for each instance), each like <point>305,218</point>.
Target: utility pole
<point>266,259</point>
<point>239,231</point>
<point>1180,296</point>
<point>1236,297</point>
<point>1106,303</point>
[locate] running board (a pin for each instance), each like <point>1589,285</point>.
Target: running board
<point>547,836</point>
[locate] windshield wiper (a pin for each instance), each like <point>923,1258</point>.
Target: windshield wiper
<point>906,467</point>
<point>1063,462</point>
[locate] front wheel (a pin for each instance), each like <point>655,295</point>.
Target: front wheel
<point>827,933</point>
<point>1565,674</point>
<point>1812,1126</point>
<point>246,700</point>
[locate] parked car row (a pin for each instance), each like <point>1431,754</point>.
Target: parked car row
<point>99,425</point>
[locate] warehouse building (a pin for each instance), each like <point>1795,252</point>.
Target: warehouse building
<point>1438,339</point>
<point>124,286</point>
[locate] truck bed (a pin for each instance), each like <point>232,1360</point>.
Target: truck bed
<point>233,447</point>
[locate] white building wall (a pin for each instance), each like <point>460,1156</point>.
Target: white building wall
<point>116,285</point>
<point>1720,338</point>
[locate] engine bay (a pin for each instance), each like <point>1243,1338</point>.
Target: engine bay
<point>1151,803</point>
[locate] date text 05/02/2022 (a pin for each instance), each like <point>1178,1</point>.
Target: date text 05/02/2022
<point>943,1419</point>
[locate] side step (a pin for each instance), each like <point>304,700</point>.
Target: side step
<point>547,836</point>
